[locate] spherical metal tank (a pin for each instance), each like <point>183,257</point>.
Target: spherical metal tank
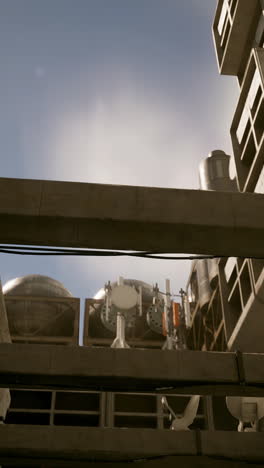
<point>214,173</point>
<point>35,285</point>
<point>138,326</point>
<point>30,317</point>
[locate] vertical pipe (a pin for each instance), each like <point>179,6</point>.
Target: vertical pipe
<point>168,318</point>
<point>120,340</point>
<point>4,327</point>
<point>120,327</point>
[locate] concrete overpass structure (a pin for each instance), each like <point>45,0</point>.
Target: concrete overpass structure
<point>131,218</point>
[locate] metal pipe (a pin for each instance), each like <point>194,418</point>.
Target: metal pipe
<point>120,340</point>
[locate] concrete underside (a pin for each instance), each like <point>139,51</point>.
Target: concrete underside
<point>163,462</point>
<point>36,212</point>
<point>68,446</point>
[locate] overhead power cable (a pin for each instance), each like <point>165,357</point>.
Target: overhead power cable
<point>59,251</point>
<point>67,251</point>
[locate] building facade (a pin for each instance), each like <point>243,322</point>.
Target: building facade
<point>228,310</point>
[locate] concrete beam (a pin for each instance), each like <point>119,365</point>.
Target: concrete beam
<point>70,446</point>
<point>133,218</point>
<point>74,367</point>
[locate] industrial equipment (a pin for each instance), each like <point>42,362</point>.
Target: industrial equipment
<point>183,421</point>
<point>248,410</point>
<point>41,310</point>
<point>133,311</point>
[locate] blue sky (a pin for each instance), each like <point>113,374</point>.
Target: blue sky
<point>109,91</point>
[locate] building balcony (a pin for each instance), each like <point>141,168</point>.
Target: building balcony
<point>247,129</point>
<point>243,303</point>
<point>234,29</point>
<point>44,407</point>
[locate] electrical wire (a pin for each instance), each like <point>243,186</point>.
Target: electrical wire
<point>21,250</point>
<point>68,251</point>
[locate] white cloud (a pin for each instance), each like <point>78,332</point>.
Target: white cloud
<point>224,92</point>
<point>39,72</point>
<point>125,137</point>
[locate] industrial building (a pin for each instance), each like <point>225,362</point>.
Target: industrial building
<point>41,311</point>
<point>228,294</point>
<point>216,311</point>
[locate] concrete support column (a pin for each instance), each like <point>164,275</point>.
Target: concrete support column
<point>4,338</point>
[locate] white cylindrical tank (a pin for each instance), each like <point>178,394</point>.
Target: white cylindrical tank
<point>212,271</point>
<point>214,173</point>
<point>204,287</point>
<point>104,325</point>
